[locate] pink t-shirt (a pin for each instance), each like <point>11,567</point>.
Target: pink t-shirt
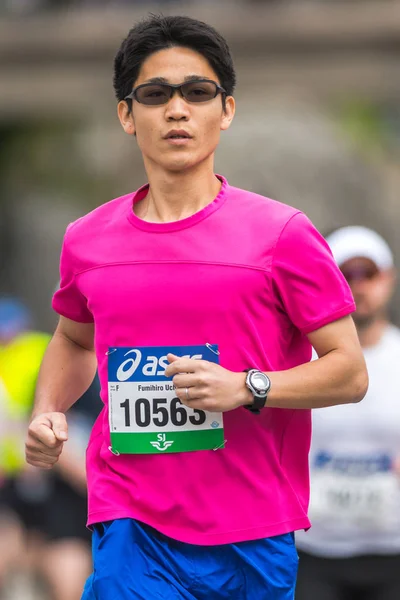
<point>247,273</point>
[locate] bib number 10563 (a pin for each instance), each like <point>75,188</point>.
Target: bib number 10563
<point>145,412</point>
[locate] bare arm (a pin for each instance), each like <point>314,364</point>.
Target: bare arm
<point>339,376</point>
<point>67,370</point>
<point>68,367</point>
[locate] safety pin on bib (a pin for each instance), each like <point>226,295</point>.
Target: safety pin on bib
<point>115,452</point>
<point>111,351</point>
<point>217,352</point>
<point>221,446</point>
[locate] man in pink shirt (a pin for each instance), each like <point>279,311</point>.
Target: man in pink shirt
<point>199,303</point>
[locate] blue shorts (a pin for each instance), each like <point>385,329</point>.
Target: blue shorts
<point>134,561</point>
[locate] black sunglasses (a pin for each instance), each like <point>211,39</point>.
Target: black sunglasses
<point>156,94</point>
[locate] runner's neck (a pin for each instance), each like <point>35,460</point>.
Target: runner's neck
<point>177,196</point>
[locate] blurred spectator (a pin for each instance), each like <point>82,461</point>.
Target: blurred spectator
<point>42,514</point>
<point>353,548</point>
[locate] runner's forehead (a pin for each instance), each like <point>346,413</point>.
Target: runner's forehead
<point>174,65</point>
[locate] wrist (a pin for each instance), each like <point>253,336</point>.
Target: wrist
<point>244,395</point>
<point>38,412</point>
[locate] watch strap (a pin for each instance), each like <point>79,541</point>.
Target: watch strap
<point>258,404</point>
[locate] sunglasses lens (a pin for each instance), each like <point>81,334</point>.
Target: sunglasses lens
<point>199,91</point>
<point>193,91</point>
<point>153,95</point>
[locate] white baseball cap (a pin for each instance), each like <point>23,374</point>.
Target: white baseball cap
<point>360,242</point>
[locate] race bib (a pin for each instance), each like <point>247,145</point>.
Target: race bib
<point>360,493</point>
<point>145,415</point>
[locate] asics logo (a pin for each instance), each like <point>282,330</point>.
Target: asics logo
<point>150,366</point>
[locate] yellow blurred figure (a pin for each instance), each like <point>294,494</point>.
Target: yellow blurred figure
<point>42,514</point>
<point>20,361</point>
<point>21,352</point>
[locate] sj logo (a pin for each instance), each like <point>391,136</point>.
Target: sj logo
<point>162,443</point>
<point>150,365</point>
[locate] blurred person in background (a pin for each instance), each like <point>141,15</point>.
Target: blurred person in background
<point>42,515</point>
<point>197,471</point>
<point>352,551</point>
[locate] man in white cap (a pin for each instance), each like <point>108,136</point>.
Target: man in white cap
<point>352,550</point>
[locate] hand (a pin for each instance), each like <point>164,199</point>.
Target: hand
<point>46,436</point>
<point>210,386</point>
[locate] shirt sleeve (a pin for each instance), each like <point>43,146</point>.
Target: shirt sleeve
<point>68,300</point>
<point>310,286</point>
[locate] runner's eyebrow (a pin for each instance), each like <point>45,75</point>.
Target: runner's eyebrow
<point>186,78</point>
<point>195,77</point>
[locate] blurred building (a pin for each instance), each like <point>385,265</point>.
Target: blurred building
<point>317,122</point>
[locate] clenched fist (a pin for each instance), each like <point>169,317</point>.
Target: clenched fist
<point>46,436</point>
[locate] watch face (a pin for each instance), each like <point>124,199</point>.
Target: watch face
<point>260,382</point>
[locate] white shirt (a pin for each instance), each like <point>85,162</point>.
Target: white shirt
<point>355,492</point>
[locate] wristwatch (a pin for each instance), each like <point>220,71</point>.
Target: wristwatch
<point>259,385</point>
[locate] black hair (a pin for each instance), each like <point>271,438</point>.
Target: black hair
<point>158,32</point>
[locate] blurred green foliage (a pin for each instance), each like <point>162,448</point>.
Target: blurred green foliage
<point>366,124</point>
<point>47,157</point>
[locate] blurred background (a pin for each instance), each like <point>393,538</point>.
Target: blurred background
<point>317,127</point>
